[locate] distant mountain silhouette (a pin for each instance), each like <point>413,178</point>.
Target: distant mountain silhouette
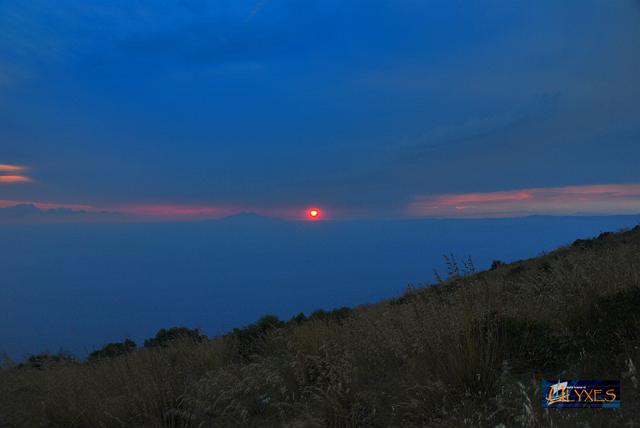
<point>20,210</point>
<point>30,210</point>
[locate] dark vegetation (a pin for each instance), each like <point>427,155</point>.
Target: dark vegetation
<point>116,349</point>
<point>165,337</point>
<point>470,350</point>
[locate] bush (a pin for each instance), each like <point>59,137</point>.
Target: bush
<point>246,342</point>
<point>298,319</point>
<point>496,264</point>
<point>46,360</point>
<point>528,344</point>
<point>114,349</point>
<point>336,315</point>
<point>164,337</point>
<point>608,323</point>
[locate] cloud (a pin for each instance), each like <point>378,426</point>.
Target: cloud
<point>174,211</point>
<point>606,199</point>
<point>34,212</point>
<point>13,174</point>
<point>4,179</point>
<point>11,168</point>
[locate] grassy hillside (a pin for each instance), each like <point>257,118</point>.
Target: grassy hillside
<point>469,351</point>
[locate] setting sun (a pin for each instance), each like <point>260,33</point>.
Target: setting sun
<point>314,213</point>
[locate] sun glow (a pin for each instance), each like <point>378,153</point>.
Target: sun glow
<point>313,213</point>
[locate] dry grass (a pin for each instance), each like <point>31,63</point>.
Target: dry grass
<point>468,352</point>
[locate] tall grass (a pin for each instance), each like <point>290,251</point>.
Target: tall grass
<point>470,351</point>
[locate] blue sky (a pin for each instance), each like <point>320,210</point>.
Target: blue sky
<point>145,116</point>
<point>364,108</point>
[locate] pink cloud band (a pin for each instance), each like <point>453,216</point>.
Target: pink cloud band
<point>14,179</point>
<point>11,168</point>
<point>570,200</point>
<point>13,174</point>
<point>173,211</point>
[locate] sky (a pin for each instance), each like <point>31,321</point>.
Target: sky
<point>153,153</point>
<point>128,110</point>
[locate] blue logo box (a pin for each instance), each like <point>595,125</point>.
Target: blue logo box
<point>581,394</point>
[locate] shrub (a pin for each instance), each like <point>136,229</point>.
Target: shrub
<point>164,337</point>
<point>114,349</point>
<point>298,319</point>
<point>245,342</point>
<point>528,344</point>
<point>608,323</point>
<point>337,315</point>
<point>496,264</point>
<point>583,243</point>
<point>46,360</point>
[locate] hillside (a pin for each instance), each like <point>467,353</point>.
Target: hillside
<point>468,351</point>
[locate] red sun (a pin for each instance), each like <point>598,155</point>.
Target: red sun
<point>313,213</point>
